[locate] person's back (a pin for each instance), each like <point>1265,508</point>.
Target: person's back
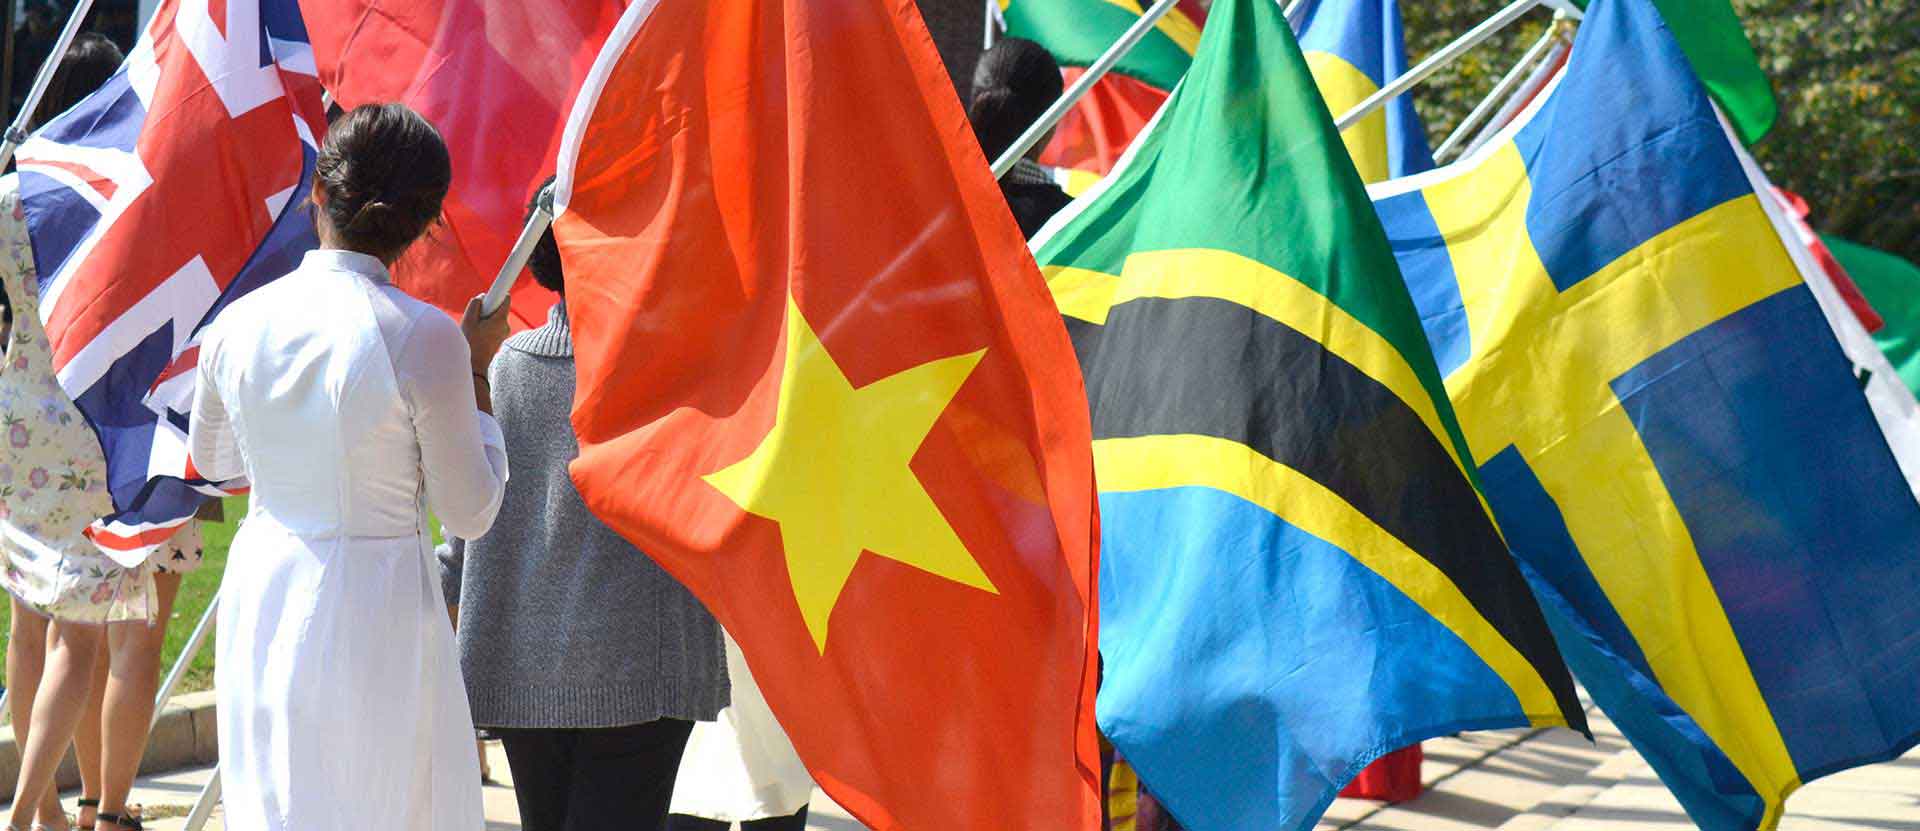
<point>325,371</point>
<point>351,408</point>
<point>583,655</point>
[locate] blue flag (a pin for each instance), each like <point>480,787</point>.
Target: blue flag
<point>1668,431</point>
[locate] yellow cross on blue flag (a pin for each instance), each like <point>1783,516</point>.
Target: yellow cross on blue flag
<point>1672,440</point>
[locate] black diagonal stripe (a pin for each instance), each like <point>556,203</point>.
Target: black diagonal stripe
<point>1203,366</point>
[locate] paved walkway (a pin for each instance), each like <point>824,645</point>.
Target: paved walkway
<point>1548,780</point>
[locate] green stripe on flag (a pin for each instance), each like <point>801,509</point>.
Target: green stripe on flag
<point>1077,32</point>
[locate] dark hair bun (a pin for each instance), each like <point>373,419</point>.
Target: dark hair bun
<point>1013,85</point>
<point>385,173</point>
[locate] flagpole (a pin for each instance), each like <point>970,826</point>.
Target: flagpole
<point>1536,81</point>
<point>1291,10</point>
<point>1132,37</point>
<point>203,806</point>
<point>1447,54</point>
<point>987,38</point>
<point>188,652</point>
<point>1501,90</point>
<point>17,133</point>
<point>537,224</point>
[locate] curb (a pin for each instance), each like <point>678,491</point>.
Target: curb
<point>186,735</point>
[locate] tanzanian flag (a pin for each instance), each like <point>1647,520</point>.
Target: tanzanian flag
<point>1078,32</point>
<point>1669,433</point>
<point>1354,47</point>
<point>1297,574</point>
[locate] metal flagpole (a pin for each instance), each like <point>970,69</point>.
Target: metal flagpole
<point>1474,37</point>
<point>1501,90</point>
<point>992,31</point>
<point>1536,81</point>
<point>1292,10</point>
<point>1072,96</point>
<point>537,224</point>
<point>188,652</point>
<point>17,133</point>
<point>203,807</point>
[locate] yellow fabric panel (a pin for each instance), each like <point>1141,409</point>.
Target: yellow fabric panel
<point>1344,86</point>
<point>1538,380</point>
<point>1123,797</point>
<point>1160,462</point>
<point>1175,24</point>
<point>1081,293</point>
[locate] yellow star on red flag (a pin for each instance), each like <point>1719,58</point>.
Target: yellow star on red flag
<point>834,472</point>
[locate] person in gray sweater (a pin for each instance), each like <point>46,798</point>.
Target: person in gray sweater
<point>587,659</point>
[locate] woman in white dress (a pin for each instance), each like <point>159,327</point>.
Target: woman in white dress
<point>741,767</point>
<point>350,407</point>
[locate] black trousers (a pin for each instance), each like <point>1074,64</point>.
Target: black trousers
<point>797,822</point>
<point>615,777</point>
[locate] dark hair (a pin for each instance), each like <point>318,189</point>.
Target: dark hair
<point>384,171</point>
<point>89,62</point>
<point>1013,84</point>
<point>545,260</point>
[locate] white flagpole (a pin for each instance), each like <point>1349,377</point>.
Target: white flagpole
<point>188,652</point>
<point>1499,94</point>
<point>203,807</point>
<point>17,132</point>
<point>1536,81</point>
<point>1292,10</point>
<point>1072,96</point>
<point>1447,54</point>
<point>537,224</point>
<point>992,31</point>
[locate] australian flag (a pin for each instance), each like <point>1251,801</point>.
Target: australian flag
<point>171,191</point>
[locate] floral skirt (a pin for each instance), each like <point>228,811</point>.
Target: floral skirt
<point>74,582</point>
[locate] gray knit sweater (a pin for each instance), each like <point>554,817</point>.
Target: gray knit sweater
<point>562,622</point>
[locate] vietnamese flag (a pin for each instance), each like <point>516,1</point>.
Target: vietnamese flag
<point>822,382</point>
<point>496,77</point>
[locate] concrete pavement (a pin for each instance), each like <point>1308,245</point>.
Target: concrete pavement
<point>1548,780</point>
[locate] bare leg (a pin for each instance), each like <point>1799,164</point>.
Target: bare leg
<point>26,660</point>
<point>57,707</point>
<point>87,738</point>
<point>135,677</point>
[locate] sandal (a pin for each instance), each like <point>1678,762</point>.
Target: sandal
<point>83,805</point>
<point>129,821</point>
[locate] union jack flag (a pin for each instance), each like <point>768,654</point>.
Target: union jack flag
<point>171,191</point>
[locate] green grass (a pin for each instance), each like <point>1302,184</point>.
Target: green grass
<point>195,593</point>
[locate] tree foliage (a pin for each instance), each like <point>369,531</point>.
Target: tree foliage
<point>1846,74</point>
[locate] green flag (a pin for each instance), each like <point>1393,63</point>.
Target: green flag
<point>1892,285</point>
<point>1077,32</point>
<point>1294,557</point>
<point>1710,34</point>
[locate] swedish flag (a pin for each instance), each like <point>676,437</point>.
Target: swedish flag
<point>1354,47</point>
<point>1668,432</point>
<point>1298,575</point>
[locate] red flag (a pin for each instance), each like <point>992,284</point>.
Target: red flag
<point>496,77</point>
<point>1093,135</point>
<point>822,382</point>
